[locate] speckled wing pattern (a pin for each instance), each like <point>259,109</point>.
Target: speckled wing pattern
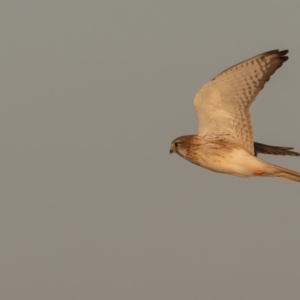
<point>222,104</point>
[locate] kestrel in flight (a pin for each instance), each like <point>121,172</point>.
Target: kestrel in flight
<point>224,142</point>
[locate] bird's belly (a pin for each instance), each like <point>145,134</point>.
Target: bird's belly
<point>236,162</point>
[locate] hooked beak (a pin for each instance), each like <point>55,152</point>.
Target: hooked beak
<point>171,151</point>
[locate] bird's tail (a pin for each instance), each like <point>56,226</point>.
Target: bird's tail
<point>276,171</point>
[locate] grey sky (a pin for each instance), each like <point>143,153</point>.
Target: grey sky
<point>92,204</point>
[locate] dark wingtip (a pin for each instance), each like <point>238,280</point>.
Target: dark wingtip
<point>274,150</point>
<point>282,55</point>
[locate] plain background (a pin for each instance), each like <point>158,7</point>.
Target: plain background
<point>92,204</point>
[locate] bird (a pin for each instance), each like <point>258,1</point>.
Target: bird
<point>224,142</point>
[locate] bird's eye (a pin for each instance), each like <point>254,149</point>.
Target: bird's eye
<point>176,144</point>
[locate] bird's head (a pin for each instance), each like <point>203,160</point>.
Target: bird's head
<point>181,145</point>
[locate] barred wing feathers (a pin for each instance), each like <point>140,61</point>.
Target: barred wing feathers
<point>222,104</point>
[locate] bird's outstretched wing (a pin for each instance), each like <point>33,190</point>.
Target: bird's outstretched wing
<point>275,150</point>
<point>222,104</point>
